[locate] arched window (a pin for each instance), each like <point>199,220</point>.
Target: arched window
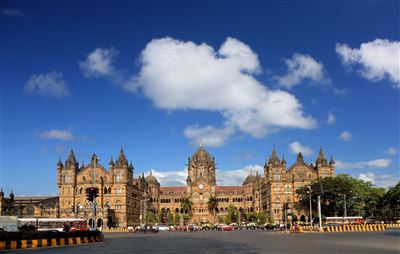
<point>67,178</point>
<point>277,177</point>
<point>118,205</point>
<point>107,204</point>
<point>119,190</point>
<point>105,190</point>
<point>118,177</point>
<point>78,207</point>
<point>109,190</point>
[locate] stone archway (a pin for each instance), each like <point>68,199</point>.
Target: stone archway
<point>90,223</point>
<point>99,223</point>
<point>303,218</point>
<point>109,222</point>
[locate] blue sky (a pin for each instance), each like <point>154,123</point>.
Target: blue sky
<point>158,78</point>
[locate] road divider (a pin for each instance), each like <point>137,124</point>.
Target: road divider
<point>53,242</point>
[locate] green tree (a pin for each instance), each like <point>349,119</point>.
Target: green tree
<point>361,198</point>
<point>186,205</point>
<point>261,217</point>
<point>250,216</point>
<point>150,218</point>
<point>170,218</point>
<point>177,219</point>
<point>212,205</point>
<point>233,215</point>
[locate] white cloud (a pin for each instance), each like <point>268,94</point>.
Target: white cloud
<point>341,92</point>
<point>379,180</point>
<point>99,63</point>
<point>368,177</point>
<point>178,75</point>
<point>392,150</point>
<point>378,59</point>
<point>209,135</point>
<point>57,134</point>
<point>296,147</point>
<point>224,177</point>
<point>11,12</point>
<point>301,68</point>
<point>331,119</point>
<point>51,84</point>
<point>379,163</point>
<point>345,136</point>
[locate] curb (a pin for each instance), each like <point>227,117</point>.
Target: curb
<point>52,242</point>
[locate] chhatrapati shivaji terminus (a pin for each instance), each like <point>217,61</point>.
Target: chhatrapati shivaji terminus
<point>121,192</point>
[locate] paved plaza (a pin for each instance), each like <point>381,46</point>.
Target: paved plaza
<point>238,242</point>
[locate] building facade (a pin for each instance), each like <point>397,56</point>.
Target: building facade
<point>268,193</point>
<point>119,199</point>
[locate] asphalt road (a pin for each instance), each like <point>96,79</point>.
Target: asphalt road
<point>238,242</point>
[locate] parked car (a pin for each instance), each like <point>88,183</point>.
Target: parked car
<point>206,227</point>
<point>227,228</point>
<point>268,226</point>
<point>251,226</point>
<point>163,227</point>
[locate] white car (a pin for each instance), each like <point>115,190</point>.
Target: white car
<point>163,227</point>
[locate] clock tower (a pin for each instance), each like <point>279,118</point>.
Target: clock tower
<point>201,183</point>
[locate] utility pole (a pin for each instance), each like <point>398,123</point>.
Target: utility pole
<point>345,209</point>
<point>311,220</point>
<point>319,213</point>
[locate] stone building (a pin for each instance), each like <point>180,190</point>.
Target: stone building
<point>118,203</point>
<point>268,193</point>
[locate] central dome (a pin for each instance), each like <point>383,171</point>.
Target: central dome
<point>201,155</point>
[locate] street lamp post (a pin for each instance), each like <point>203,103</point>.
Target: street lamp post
<point>94,203</point>
<point>319,213</point>
<point>310,220</point>
<point>345,207</point>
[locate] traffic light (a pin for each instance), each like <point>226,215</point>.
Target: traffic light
<point>95,193</point>
<point>92,193</point>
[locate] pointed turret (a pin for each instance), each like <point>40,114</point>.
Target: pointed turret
<point>331,161</point>
<point>283,162</point>
<point>71,160</point>
<point>321,157</point>
<point>1,193</point>
<point>274,157</point>
<point>300,159</point>
<point>121,161</point>
<point>111,163</point>
<point>59,163</point>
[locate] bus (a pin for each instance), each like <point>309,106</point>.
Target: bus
<point>344,220</point>
<point>45,224</point>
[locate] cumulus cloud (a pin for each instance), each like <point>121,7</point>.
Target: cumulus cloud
<point>57,134</point>
<point>392,150</point>
<point>224,177</point>
<point>296,147</point>
<point>11,12</point>
<point>100,63</point>
<point>379,163</point>
<point>379,180</point>
<point>302,68</point>
<point>51,84</point>
<point>345,136</point>
<point>374,60</point>
<point>331,119</point>
<point>209,135</point>
<point>179,75</point>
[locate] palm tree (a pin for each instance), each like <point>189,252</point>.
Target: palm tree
<point>186,205</point>
<point>213,204</point>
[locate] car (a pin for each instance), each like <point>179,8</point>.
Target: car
<point>227,228</point>
<point>206,227</point>
<point>251,226</point>
<point>163,227</point>
<point>184,228</point>
<point>268,226</point>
